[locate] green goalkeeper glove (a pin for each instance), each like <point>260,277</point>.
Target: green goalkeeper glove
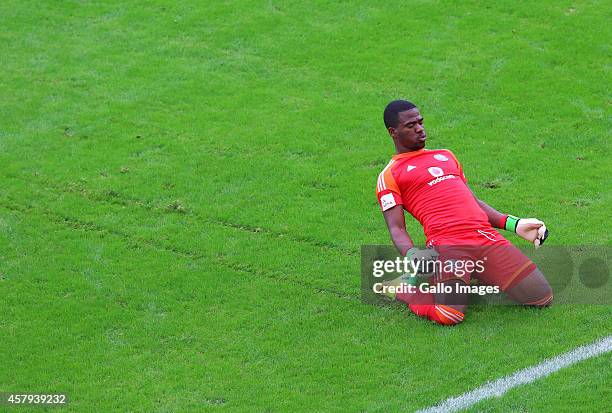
<point>425,259</point>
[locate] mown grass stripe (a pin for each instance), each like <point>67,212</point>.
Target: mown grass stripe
<point>81,225</point>
<point>121,199</point>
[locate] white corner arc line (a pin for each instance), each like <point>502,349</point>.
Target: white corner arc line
<point>500,386</point>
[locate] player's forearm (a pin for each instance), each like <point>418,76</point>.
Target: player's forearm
<point>401,240</point>
<point>530,229</point>
<point>496,218</point>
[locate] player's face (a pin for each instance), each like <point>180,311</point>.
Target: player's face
<point>409,133</point>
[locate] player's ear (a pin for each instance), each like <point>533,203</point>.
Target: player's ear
<point>391,131</point>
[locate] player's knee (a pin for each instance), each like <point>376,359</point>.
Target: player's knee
<point>534,290</point>
<point>446,315</point>
<point>544,300</point>
<point>542,296</point>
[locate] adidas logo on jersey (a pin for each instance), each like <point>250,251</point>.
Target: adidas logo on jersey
<point>440,157</point>
<point>410,168</point>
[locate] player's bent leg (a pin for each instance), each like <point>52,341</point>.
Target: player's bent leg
<point>533,290</point>
<point>516,275</point>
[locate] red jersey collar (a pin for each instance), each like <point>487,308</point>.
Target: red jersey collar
<point>406,155</point>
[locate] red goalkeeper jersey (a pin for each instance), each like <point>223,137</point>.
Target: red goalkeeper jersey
<point>431,186</point>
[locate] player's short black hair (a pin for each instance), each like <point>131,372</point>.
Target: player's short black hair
<point>393,109</point>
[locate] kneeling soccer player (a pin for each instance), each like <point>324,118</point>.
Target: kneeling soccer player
<point>431,186</point>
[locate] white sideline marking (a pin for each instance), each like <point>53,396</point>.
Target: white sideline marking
<point>500,386</point>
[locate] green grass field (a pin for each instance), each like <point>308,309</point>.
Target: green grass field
<point>186,188</point>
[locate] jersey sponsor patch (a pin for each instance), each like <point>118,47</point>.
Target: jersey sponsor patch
<point>440,179</point>
<point>435,171</point>
<point>387,201</point>
<point>440,157</point>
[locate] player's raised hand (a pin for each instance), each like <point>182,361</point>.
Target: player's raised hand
<point>532,230</point>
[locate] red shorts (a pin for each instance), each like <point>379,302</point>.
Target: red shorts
<point>483,254</point>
